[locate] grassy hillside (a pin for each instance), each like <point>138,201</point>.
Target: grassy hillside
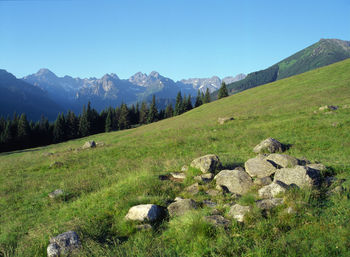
<point>102,184</point>
<point>322,53</point>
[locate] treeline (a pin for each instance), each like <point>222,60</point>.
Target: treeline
<point>18,133</point>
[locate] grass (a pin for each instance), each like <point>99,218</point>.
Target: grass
<point>102,184</point>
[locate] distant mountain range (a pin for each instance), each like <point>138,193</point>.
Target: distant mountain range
<point>110,90</point>
<point>45,93</point>
<point>322,53</point>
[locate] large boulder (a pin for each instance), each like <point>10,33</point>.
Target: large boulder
<point>235,181</point>
<point>317,166</point>
<point>272,190</point>
<point>238,212</point>
<point>63,244</point>
<point>259,167</point>
<point>300,176</point>
<point>207,163</point>
<point>145,212</point>
<point>269,145</point>
<point>283,160</point>
<point>180,207</point>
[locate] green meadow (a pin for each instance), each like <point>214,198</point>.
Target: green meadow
<point>102,183</point>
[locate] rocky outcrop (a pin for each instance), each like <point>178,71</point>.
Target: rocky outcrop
<point>259,167</point>
<point>63,244</point>
<point>269,145</point>
<point>145,212</point>
<point>263,181</point>
<point>207,163</point>
<point>235,181</point>
<point>272,190</point>
<point>300,176</point>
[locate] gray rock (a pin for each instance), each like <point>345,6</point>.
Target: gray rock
<point>180,207</point>
<point>207,163</point>
<point>270,145</point>
<point>239,168</point>
<point>89,144</point>
<point>300,176</point>
<point>283,160</point>
<point>206,177</point>
<point>145,212</point>
<point>209,204</point>
<point>317,166</point>
<point>263,181</point>
<point>55,194</point>
<point>56,164</point>
<point>259,167</point>
<point>63,244</point>
<point>222,121</point>
<point>235,181</point>
<point>217,220</point>
<point>192,189</point>
<point>212,192</point>
<point>184,168</point>
<point>328,108</point>
<point>143,227</point>
<point>178,198</point>
<point>267,204</point>
<point>272,190</point>
<point>178,175</point>
<point>238,212</point>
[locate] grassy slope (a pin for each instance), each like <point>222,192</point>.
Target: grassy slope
<point>102,183</point>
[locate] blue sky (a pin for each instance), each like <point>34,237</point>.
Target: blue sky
<point>179,39</point>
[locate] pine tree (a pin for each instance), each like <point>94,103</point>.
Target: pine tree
<point>153,112</point>
<point>178,105</point>
<point>199,101</point>
<point>109,121</point>
<point>189,103</point>
<point>222,91</point>
<point>206,97</point>
<point>23,129</point>
<point>169,111</point>
<point>59,129</point>
<point>124,119</point>
<point>143,113</point>
<point>72,123</point>
<point>84,122</point>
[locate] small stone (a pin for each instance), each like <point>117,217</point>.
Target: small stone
<point>63,244</point>
<point>263,181</point>
<point>290,210</point>
<point>272,190</point>
<point>178,175</point>
<point>143,227</point>
<point>328,107</point>
<point>209,204</point>
<point>184,168</point>
<point>270,145</point>
<point>217,220</point>
<point>89,144</point>
<point>206,177</point>
<point>207,163</point>
<point>212,192</point>
<point>267,204</point>
<point>55,194</point>
<point>238,212</point>
<point>145,212</point>
<point>222,121</point>
<point>180,207</point>
<point>178,198</point>
<point>192,189</point>
<point>56,165</point>
<point>259,167</point>
<point>317,166</point>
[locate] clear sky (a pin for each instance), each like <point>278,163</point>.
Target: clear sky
<point>178,38</point>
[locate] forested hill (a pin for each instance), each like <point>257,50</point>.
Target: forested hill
<point>322,53</point>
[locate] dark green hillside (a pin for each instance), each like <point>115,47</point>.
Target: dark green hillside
<point>101,184</point>
<point>322,53</point>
